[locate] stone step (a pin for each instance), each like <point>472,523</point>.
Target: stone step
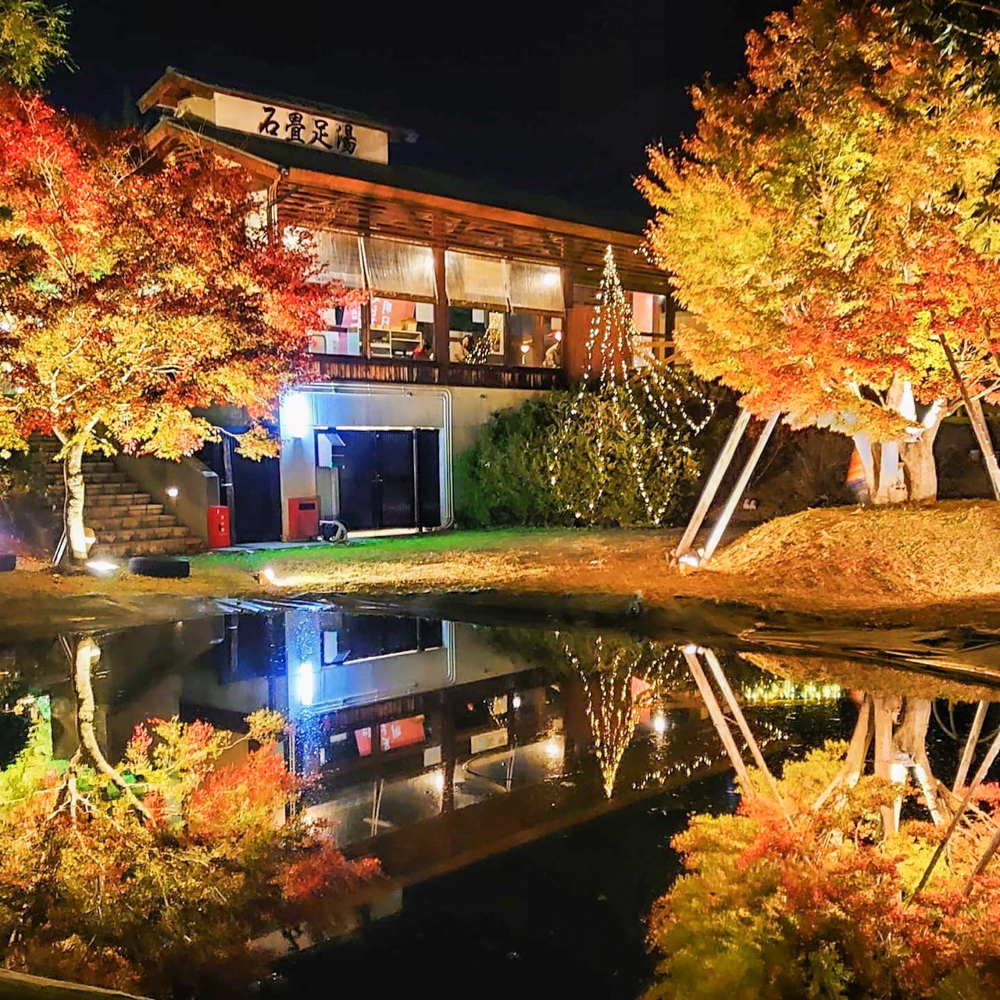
<point>141,534</point>
<point>102,489</point>
<point>148,547</point>
<point>100,499</point>
<point>122,510</point>
<point>89,465</point>
<point>101,522</point>
<point>93,477</point>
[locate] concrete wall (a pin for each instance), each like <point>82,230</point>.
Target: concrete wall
<point>457,413</point>
<point>197,487</point>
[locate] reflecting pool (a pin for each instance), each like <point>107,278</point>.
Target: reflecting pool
<point>519,785</point>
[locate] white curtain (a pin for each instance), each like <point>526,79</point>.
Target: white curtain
<point>400,270</point>
<point>536,288</point>
<point>340,258</point>
<point>476,281</point>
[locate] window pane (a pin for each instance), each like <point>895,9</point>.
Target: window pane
<point>400,270</point>
<point>340,258</point>
<point>400,329</point>
<point>342,334</point>
<point>475,281</point>
<point>476,336</point>
<point>536,340</point>
<point>536,288</point>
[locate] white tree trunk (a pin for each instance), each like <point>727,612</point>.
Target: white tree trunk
<point>919,467</point>
<point>900,471</point>
<point>76,532</point>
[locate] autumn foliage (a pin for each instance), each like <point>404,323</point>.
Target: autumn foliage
<point>824,908</point>
<point>137,291</point>
<point>167,905</point>
<point>834,216</point>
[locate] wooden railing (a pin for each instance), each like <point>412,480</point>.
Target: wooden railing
<point>340,368</point>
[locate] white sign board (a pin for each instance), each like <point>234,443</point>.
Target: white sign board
<point>302,128</point>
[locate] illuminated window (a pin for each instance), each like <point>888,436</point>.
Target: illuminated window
<point>649,311</point>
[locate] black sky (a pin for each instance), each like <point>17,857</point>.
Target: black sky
<point>561,98</point>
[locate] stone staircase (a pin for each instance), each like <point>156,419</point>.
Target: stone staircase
<point>124,519</point>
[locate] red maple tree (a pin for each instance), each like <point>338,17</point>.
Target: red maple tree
<point>137,292</point>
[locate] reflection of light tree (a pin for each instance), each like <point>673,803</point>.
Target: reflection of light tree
<point>614,703</point>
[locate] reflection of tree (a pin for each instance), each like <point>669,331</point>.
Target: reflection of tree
<point>621,679</point>
<point>85,654</point>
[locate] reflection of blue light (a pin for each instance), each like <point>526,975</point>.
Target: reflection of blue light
<point>296,415</point>
<point>304,684</point>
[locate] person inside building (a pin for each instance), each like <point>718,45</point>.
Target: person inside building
<point>422,352</point>
<point>461,349</point>
<point>553,356</point>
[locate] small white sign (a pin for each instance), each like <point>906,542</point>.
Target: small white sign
<point>432,756</point>
<point>489,741</point>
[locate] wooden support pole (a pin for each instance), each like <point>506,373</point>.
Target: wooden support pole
<point>991,849</point>
<point>978,420</point>
<point>739,489</point>
<point>975,411</point>
<point>741,721</point>
<point>991,756</point>
<point>713,483</point>
<point>970,746</point>
<point>717,717</point>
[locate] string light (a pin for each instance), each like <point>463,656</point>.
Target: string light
<point>489,342</point>
<point>614,338</point>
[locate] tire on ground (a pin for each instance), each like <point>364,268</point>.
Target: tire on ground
<point>8,561</point>
<point>174,569</point>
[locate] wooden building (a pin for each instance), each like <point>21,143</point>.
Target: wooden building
<point>478,297</point>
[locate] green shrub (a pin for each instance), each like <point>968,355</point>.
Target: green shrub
<point>602,457</point>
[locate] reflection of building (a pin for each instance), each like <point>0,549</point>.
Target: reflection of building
<point>477,298</point>
<point>430,745</point>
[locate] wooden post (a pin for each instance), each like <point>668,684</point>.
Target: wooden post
<point>739,489</point>
<point>991,849</point>
<point>970,746</point>
<point>717,717</point>
<point>978,420</point>
<point>741,721</point>
<point>713,483</point>
<point>991,756</point>
<point>975,411</point>
<point>442,324</point>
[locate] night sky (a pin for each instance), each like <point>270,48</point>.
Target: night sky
<point>560,98</point>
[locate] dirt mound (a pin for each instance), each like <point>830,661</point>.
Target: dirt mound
<point>941,552</point>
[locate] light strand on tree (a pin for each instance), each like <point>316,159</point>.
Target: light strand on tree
<point>616,342</point>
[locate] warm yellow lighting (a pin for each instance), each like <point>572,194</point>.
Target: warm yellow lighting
<point>659,725</point>
<point>267,573</point>
<point>173,492</point>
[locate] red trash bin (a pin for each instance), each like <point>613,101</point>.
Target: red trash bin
<point>303,517</point>
<point>218,527</point>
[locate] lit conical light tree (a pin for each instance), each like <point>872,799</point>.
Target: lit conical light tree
<point>613,705</point>
<point>649,419</point>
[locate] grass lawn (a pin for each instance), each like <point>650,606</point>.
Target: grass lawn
<point>902,564</point>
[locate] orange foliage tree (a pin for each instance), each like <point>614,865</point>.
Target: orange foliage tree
<point>137,292</point>
<point>830,222</point>
<point>167,901</point>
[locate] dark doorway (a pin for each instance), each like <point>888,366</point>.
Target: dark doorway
<point>389,479</point>
<point>251,490</point>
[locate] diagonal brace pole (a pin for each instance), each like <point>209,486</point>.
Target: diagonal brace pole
<point>694,665</point>
<point>739,489</point>
<point>713,483</point>
<point>741,721</point>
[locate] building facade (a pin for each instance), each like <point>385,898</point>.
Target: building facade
<point>477,299</point>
